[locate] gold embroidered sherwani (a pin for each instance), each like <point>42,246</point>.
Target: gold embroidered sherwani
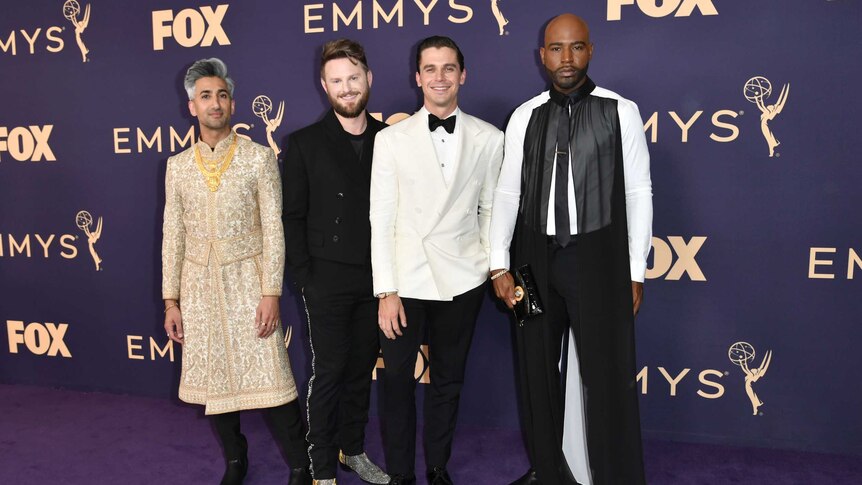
<point>221,252</point>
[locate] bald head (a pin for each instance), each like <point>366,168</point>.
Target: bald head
<point>565,23</point>
<point>567,52</point>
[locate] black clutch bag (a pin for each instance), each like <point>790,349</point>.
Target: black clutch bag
<point>527,301</point>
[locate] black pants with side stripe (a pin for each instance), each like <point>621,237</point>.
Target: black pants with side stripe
<point>342,316</point>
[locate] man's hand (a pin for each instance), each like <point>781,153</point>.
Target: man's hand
<point>504,288</point>
<point>174,322</point>
<point>391,317</point>
<point>266,318</point>
<point>637,295</point>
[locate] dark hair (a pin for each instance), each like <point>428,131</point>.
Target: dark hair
<point>438,41</point>
<point>343,49</point>
<point>212,67</point>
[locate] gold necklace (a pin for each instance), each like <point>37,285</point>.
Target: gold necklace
<point>211,171</point>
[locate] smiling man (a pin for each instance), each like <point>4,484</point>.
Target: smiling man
<point>222,270</point>
<point>432,185</point>
<point>327,171</point>
<point>575,193</point>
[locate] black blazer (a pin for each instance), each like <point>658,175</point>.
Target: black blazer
<point>326,192</point>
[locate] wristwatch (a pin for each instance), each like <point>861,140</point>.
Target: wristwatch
<point>385,294</point>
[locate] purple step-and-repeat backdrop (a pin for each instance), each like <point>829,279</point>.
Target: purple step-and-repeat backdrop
<point>750,332</point>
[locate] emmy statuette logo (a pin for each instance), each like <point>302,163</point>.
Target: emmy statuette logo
<point>262,107</point>
<point>502,21</point>
<point>422,370</point>
<point>757,90</point>
<point>84,221</point>
<point>741,354</point>
<point>71,9</point>
<point>288,335</point>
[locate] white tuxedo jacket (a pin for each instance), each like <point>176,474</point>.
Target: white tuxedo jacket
<point>430,241</point>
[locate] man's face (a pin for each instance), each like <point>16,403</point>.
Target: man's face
<point>567,53</point>
<point>347,86</point>
<point>440,76</point>
<point>212,104</point>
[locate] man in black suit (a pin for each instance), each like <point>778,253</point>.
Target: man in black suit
<point>327,174</point>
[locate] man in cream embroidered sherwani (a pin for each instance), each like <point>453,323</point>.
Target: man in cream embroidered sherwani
<point>222,267</point>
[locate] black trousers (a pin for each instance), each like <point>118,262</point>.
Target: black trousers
<point>598,313</point>
<point>539,351</point>
<point>284,421</point>
<point>342,319</point>
<point>450,326</point>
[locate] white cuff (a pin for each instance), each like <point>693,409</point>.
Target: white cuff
<point>499,259</point>
<point>638,269</point>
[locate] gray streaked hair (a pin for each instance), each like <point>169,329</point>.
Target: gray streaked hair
<point>207,68</point>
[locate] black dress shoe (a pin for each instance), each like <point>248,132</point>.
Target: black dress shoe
<point>529,478</point>
<point>300,476</point>
<point>401,480</point>
<point>439,476</point>
<point>235,471</point>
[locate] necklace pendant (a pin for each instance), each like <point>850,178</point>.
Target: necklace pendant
<point>211,170</point>
<point>213,182</point>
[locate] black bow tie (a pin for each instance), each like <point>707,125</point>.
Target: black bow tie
<point>448,124</point>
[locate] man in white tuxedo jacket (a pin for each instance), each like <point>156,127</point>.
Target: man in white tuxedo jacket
<point>432,184</point>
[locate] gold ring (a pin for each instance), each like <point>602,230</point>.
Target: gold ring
<point>519,293</point>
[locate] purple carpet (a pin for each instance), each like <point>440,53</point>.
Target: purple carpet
<point>68,437</point>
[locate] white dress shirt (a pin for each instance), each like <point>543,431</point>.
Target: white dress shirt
<point>445,144</point>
